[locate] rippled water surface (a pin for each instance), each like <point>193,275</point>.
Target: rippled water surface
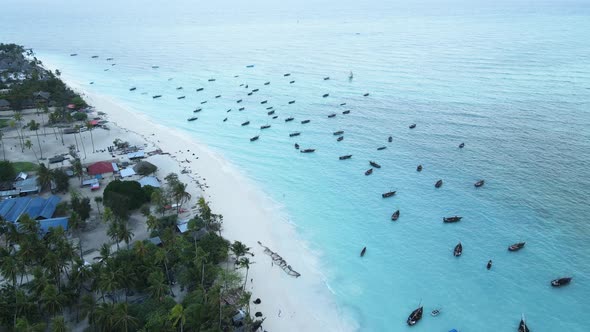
<point>510,79</point>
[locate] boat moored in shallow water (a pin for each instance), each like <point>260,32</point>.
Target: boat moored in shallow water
<point>294,134</point>
<point>561,281</point>
<point>192,119</point>
<point>255,138</point>
<point>395,215</point>
<point>419,168</point>
<point>452,219</point>
<point>289,119</point>
<point>363,251</point>
<point>369,171</point>
<point>458,250</point>
<point>438,184</point>
<point>479,183</point>
<point>374,164</point>
<point>381,148</point>
<point>415,316</point>
<point>348,156</point>
<point>305,121</point>
<point>412,126</point>
<point>522,327</point>
<point>245,123</point>
<point>388,194</point>
<point>307,151</point>
<point>516,246</point>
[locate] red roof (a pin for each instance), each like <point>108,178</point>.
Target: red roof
<point>100,167</point>
<point>93,122</point>
<point>71,106</point>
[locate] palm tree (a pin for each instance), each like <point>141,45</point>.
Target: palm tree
<point>108,281</point>
<point>18,117</point>
<point>33,125</point>
<point>123,321</point>
<point>98,201</point>
<point>87,305</point>
<point>89,126</point>
<point>102,318</point>
<point>43,116</point>
<point>180,194</point>
<point>157,288</point>
<point>51,300</point>
<point>245,263</point>
<point>29,146</point>
<point>124,233</point>
<point>113,232</point>
<point>44,177</point>
<point>78,170</point>
<point>178,315</point>
<point>78,127</point>
<point>58,324</point>
<point>152,223</point>
<point>239,249</point>
<point>23,325</point>
<point>75,224</point>
<point>2,141</point>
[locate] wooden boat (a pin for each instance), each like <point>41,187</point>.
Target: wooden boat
<point>452,219</point>
<point>266,83</point>
<point>419,168</point>
<point>296,146</point>
<point>561,281</point>
<point>363,251</point>
<point>292,102</point>
<point>211,80</point>
<point>265,126</point>
<point>94,56</point>
<point>350,76</point>
<point>291,82</point>
<point>489,265</point>
<point>307,150</point>
<point>218,96</point>
<point>288,74</point>
<point>179,88</point>
<point>339,132</point>
<point>255,90</point>
<point>224,119</point>
<point>346,112</point>
<point>458,250</point>
<point>348,156</point>
<point>246,123</point>
<point>461,146</point>
<point>157,96</point>
<point>264,102</point>
<point>289,119</point>
<point>294,134</point>
<point>200,89</point>
<point>204,102</point>
<point>342,104</point>
<point>438,184</point>
<point>181,97</point>
<point>133,89</point>
<point>374,164</point>
<point>255,138</point>
<point>365,95</point>
<point>238,101</point>
<point>74,54</point>
<point>249,93</point>
<point>276,116</point>
<point>479,183</point>
<point>271,113</point>
<point>390,139</point>
<point>332,115</point>
<point>415,316</point>
<point>197,110</point>
<point>192,119</point>
<point>250,66</point>
<point>241,108</point>
<point>229,110</point>
<point>516,246</point>
<point>388,194</point>
<point>369,171</point>
<point>269,108</point>
<point>326,78</point>
<point>155,67</point>
<point>381,148</point>
<point>395,215</point>
<point>110,59</point>
<point>305,121</point>
<point>340,138</point>
<point>412,126</point>
<point>325,95</point>
<point>522,327</point>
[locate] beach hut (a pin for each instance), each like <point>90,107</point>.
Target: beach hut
<point>127,172</point>
<point>149,181</point>
<point>136,155</point>
<point>27,186</point>
<point>101,167</point>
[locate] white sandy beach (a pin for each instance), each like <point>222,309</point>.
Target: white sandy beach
<point>288,303</point>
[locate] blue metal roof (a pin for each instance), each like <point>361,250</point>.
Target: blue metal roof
<point>46,224</point>
<point>50,206</point>
<point>20,204</point>
<point>11,209</point>
<point>34,208</point>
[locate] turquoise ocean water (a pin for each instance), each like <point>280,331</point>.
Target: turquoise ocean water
<point>510,79</point>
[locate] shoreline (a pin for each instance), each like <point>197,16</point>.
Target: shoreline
<point>250,216</point>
